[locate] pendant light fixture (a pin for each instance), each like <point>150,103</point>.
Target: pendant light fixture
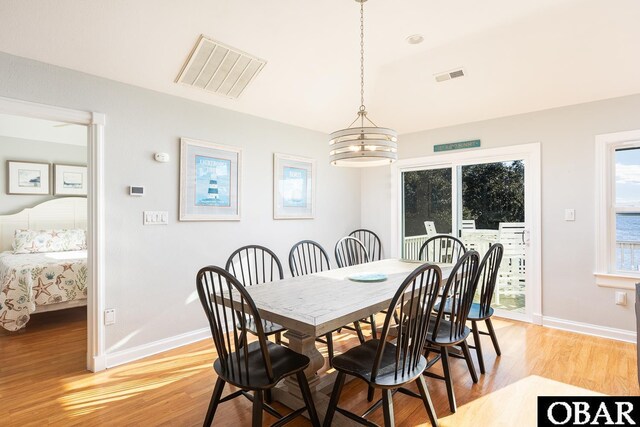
<point>363,146</point>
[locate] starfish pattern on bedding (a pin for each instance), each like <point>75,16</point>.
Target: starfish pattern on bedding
<point>67,267</point>
<point>7,289</point>
<point>41,288</point>
<point>4,321</point>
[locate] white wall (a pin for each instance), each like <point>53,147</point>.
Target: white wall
<point>33,151</point>
<point>150,271</point>
<point>568,167</point>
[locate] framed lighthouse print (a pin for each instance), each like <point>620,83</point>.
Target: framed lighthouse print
<point>210,177</point>
<point>293,187</point>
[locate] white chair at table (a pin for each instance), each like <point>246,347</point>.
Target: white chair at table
<point>511,278</point>
<point>430,228</point>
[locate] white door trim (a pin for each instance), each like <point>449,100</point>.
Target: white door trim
<point>95,215</point>
<point>530,153</point>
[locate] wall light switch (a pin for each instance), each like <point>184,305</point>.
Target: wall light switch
<point>155,217</point>
<point>569,214</point>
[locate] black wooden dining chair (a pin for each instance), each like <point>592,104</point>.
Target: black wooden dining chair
<point>253,265</point>
<point>371,242</point>
<point>487,277</point>
<point>351,251</point>
<point>251,366</point>
<point>442,249</point>
<point>448,327</point>
<point>390,366</point>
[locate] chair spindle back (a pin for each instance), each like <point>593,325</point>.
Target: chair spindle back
<point>442,249</point>
<point>308,257</point>
<point>371,241</point>
<point>488,275</point>
<point>254,264</point>
<point>350,251</point>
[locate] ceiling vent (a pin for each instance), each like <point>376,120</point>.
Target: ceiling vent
<point>218,68</point>
<point>453,74</point>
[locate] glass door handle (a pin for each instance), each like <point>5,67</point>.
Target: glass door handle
<point>526,237</point>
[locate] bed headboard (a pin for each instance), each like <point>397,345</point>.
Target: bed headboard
<point>68,212</point>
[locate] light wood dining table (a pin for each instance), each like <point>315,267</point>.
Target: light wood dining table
<point>314,305</point>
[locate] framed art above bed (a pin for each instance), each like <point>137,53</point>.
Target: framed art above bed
<point>69,180</point>
<point>27,177</point>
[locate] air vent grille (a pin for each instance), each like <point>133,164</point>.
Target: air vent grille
<point>218,68</point>
<point>448,75</point>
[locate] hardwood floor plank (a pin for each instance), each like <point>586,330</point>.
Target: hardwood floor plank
<point>43,380</point>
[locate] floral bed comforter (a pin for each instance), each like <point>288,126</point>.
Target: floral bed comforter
<point>27,280</point>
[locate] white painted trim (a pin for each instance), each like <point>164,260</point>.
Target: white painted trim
<point>605,207</point>
<point>95,215</point>
<point>617,281</point>
<point>149,349</point>
<point>530,153</point>
<point>589,329</point>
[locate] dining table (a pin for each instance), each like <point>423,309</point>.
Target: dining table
<point>313,305</point>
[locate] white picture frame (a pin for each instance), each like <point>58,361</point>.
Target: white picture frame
<point>28,178</point>
<point>70,180</point>
<point>210,181</point>
<point>294,183</point>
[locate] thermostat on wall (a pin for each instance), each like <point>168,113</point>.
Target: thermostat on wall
<point>136,191</point>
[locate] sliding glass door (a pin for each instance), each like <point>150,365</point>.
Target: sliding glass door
<point>481,203</point>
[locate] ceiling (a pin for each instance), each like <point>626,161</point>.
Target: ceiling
<point>31,129</point>
<point>518,56</point>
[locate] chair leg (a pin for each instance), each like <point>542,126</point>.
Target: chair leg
<point>335,397</point>
<point>257,409</point>
<point>494,338</point>
<point>278,338</point>
<point>387,407</point>
<point>447,378</point>
<point>426,399</point>
<point>268,397</point>
<point>478,345</point>
<point>374,329</point>
<point>370,393</point>
<point>308,399</point>
<point>329,339</point>
<point>467,357</point>
<point>359,332</point>
<point>213,404</point>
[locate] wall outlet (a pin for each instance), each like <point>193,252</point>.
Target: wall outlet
<point>110,316</point>
<point>569,214</point>
<point>621,298</point>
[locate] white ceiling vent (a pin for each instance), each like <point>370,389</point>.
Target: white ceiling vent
<point>221,69</point>
<point>453,74</point>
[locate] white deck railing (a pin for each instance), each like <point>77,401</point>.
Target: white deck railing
<point>628,255</point>
<point>627,251</point>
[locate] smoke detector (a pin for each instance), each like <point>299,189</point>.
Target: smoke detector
<point>219,68</point>
<point>448,75</point>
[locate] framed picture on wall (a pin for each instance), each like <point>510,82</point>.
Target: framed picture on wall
<point>27,178</point>
<point>69,180</point>
<point>210,176</point>
<point>293,187</point>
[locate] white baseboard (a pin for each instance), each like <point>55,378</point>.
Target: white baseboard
<point>589,329</point>
<point>141,351</point>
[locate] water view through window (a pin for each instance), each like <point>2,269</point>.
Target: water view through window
<point>627,209</point>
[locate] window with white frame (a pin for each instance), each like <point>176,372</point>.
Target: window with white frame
<point>618,228</point>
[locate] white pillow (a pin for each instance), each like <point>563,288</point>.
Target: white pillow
<point>35,241</point>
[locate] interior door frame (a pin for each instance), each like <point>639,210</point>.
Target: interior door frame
<point>530,153</point>
<point>95,123</point>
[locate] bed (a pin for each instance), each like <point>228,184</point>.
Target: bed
<point>43,260</point>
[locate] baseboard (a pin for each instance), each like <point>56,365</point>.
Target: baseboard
<point>589,329</point>
<point>141,351</point>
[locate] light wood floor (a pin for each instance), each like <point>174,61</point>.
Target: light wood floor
<point>43,381</point>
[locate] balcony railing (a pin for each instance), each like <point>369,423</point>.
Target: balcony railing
<point>627,251</point>
<point>628,255</point>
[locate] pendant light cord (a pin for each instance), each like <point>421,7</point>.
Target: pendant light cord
<point>362,107</point>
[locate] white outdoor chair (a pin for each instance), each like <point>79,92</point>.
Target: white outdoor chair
<point>430,226</point>
<point>468,224</point>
